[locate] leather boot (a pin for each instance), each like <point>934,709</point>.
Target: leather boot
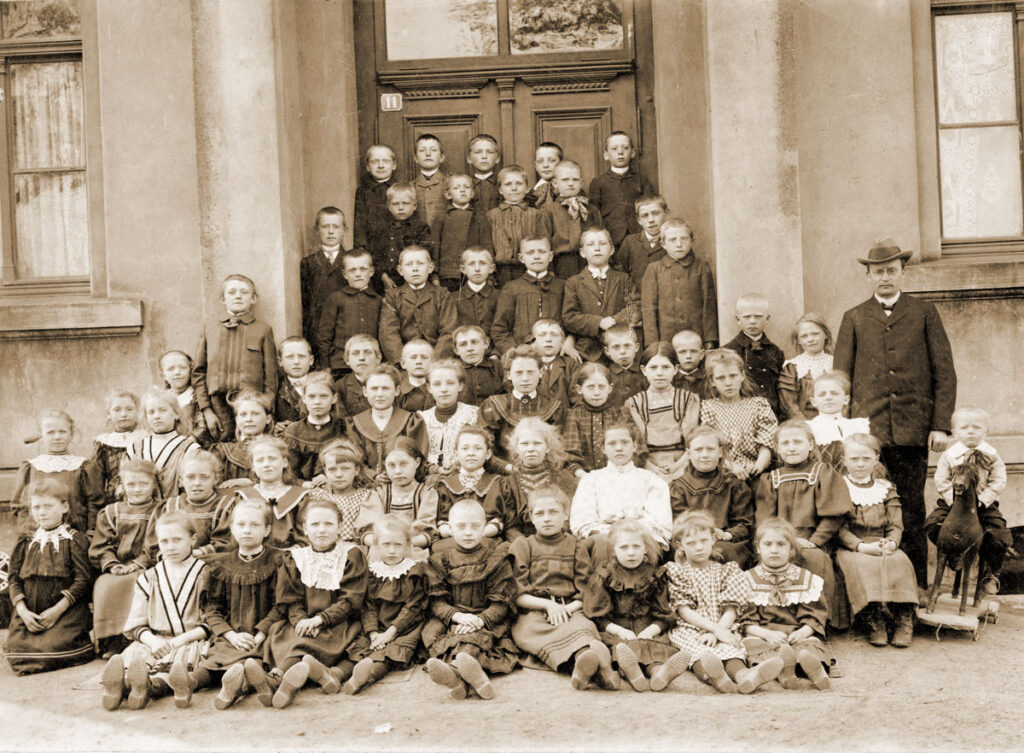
<point>878,631</point>
<point>904,632</point>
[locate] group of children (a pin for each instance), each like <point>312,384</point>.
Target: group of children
<point>564,473</point>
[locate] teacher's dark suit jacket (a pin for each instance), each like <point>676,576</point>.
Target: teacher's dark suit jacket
<point>318,278</point>
<point>901,369</point>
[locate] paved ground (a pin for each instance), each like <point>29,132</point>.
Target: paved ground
<point>952,695</point>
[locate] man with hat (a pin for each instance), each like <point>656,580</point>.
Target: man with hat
<point>902,378</point>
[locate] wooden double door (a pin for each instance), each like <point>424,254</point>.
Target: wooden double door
<point>571,79</point>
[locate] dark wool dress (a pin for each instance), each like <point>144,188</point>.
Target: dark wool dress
<point>727,500</point>
<point>480,582</point>
<point>329,584</point>
<point>633,599</point>
<point>396,595</point>
<point>241,596</point>
<point>46,567</point>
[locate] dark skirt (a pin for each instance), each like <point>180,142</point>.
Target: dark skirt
<point>401,652</point>
<point>65,644</point>
<point>494,649</point>
<point>553,644</point>
<point>112,600</point>
<point>329,647</point>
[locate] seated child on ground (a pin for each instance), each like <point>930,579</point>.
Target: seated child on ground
<point>471,590</point>
<point>50,578</point>
<point>627,598</point>
<point>708,485</point>
<point>707,596</point>
<point>552,569</point>
<point>238,606</point>
<point>970,428</point>
<point>118,550</point>
<point>786,615</point>
<point>162,631</point>
<point>394,609</point>
<point>320,588</point>
<point>880,580</point>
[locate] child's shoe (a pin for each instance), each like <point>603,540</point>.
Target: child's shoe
<point>878,631</point>
<point>630,667</point>
<point>322,676</point>
<point>814,669</point>
<point>663,676</point>
<point>441,673</point>
<point>787,677</point>
<point>291,683</point>
<point>606,674</point>
<point>231,685</point>
<point>716,673</point>
<point>114,688</point>
<point>360,676</point>
<point>469,669</point>
<point>138,684</point>
<point>261,683</point>
<point>584,670</point>
<point>180,683</point>
<point>749,680</point>
<point>904,632</point>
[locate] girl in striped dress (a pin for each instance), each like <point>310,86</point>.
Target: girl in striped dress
<point>664,414</point>
<point>164,445</point>
<point>407,496</point>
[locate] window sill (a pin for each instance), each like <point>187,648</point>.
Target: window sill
<point>52,318</point>
<point>963,277</point>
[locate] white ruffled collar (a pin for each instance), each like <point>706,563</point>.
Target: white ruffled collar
<point>958,451</point>
<point>806,364</point>
<point>185,397</point>
<point>323,570</point>
<point>55,463</point>
<point>52,537</point>
<point>867,496</point>
<point>828,429</point>
<point>391,572</point>
<point>119,439</point>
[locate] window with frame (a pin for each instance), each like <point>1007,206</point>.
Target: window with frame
<point>43,198</point>
<point>978,115</point>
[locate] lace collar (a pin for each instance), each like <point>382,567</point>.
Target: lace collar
<point>806,364</point>
<point>784,588</point>
<point>53,537</point>
<point>469,479</point>
<point>873,493</point>
<point>323,570</point>
<point>118,439</point>
<point>55,463</point>
<point>391,572</point>
<point>185,397</point>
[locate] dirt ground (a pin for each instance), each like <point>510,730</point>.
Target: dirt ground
<point>954,694</point>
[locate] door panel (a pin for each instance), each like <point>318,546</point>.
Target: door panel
<point>580,132</point>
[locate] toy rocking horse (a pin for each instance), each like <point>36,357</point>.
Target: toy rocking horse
<point>960,536</point>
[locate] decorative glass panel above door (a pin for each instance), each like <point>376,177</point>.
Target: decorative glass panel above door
<point>430,29</point>
<point>566,26</point>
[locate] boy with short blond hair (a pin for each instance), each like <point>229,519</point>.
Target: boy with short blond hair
<point>371,203</point>
<point>226,360</point>
<point>483,156</point>
<point>616,191</point>
<point>402,228</point>
<point>362,355</point>
<point>621,347</point>
<point>762,357</point>
<point>537,294</point>
<point>570,213</point>
<point>678,290</point>
<point>545,159</point>
<point>639,250</point>
<point>690,351</point>
<point>417,309</point>
<point>511,221</point>
<point>477,298</point>
<point>455,229</point>
<point>353,310</point>
<point>557,371</point>
<point>430,179</point>
<point>482,370</point>
<point>417,355</point>
<point>295,359</point>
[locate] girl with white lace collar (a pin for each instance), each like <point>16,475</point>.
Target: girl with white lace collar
<point>50,578</point>
<point>814,344</point>
<point>110,447</point>
<point>880,578</point>
<point>786,615</point>
<point>395,607</point>
<point>321,587</point>
<point>80,477</point>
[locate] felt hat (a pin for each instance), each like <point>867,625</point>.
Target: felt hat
<point>884,251</point>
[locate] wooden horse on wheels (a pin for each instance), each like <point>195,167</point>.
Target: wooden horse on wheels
<point>959,538</point>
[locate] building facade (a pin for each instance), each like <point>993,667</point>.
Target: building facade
<point>153,147</point>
